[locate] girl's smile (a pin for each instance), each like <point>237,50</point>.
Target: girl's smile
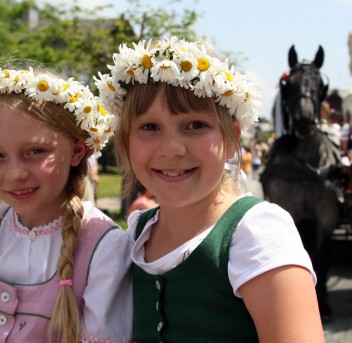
<point>175,174</point>
<point>23,193</point>
<point>178,157</point>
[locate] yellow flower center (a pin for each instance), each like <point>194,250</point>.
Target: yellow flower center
<point>228,92</point>
<point>246,96</point>
<point>93,129</point>
<point>15,80</point>
<point>203,64</point>
<point>165,67</point>
<point>87,109</point>
<point>65,86</point>
<point>131,72</point>
<point>229,76</point>
<point>186,65</point>
<point>7,74</point>
<point>107,130</point>
<point>97,141</point>
<point>102,110</point>
<point>74,98</point>
<point>147,62</point>
<point>42,86</point>
<point>111,87</point>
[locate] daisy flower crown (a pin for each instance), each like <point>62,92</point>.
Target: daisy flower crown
<point>71,94</point>
<point>184,64</point>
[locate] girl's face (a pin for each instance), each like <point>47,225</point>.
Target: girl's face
<point>35,163</point>
<point>179,158</point>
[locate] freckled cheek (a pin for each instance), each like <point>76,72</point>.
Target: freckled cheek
<point>139,151</point>
<point>50,169</point>
<point>138,159</point>
<point>212,149</point>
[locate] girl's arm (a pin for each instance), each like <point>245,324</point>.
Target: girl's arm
<point>283,305</point>
<point>107,312</point>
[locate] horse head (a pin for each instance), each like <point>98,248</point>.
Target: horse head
<point>302,91</point>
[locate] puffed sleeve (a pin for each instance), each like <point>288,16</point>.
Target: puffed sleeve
<point>107,312</point>
<point>266,238</point>
<point>132,222</point>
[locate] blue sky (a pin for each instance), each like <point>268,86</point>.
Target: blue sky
<point>264,30</point>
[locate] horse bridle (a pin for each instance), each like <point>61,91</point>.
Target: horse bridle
<point>307,70</point>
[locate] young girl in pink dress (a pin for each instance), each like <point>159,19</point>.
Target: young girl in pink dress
<point>64,265</point>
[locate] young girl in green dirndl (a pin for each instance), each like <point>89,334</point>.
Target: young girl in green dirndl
<point>211,263</point>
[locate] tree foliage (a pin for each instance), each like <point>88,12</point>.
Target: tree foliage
<point>77,41</point>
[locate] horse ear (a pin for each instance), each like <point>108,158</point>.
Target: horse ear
<point>319,57</point>
<point>292,57</point>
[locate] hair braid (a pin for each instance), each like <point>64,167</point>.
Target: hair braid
<point>65,322</point>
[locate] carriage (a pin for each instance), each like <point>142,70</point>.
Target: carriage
<point>304,174</point>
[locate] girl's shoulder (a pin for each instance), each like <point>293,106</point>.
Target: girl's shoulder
<point>133,219</point>
<point>267,220</point>
<point>94,216</point>
<point>267,210</point>
<point>96,222</point>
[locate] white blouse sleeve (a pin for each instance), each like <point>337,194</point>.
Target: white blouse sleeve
<point>107,312</point>
<point>132,222</point>
<point>266,238</point>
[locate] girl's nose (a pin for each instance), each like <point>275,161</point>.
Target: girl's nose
<point>17,171</point>
<point>172,144</point>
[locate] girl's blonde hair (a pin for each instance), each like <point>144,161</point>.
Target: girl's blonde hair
<point>65,321</point>
<point>179,100</point>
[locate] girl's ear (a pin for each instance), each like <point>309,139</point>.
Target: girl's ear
<point>79,150</point>
<point>237,129</point>
<point>231,146</point>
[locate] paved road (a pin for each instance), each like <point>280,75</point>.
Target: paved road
<point>339,283</point>
<point>340,296</point>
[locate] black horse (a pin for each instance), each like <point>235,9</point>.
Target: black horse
<point>304,165</point>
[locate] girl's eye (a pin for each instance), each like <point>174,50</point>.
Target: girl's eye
<point>196,125</point>
<point>149,127</point>
<point>35,151</point>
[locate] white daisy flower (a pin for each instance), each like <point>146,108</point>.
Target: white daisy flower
<point>188,67</point>
<point>8,81</point>
<point>42,88</point>
<point>165,71</point>
<point>252,102</point>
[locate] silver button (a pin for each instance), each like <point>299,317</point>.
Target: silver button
<point>157,284</point>
<point>160,325</point>
<point>5,297</point>
<point>3,320</point>
<point>31,235</point>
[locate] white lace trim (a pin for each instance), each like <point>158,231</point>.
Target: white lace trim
<point>84,338</point>
<point>43,230</point>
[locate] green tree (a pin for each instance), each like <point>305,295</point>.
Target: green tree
<point>81,42</point>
